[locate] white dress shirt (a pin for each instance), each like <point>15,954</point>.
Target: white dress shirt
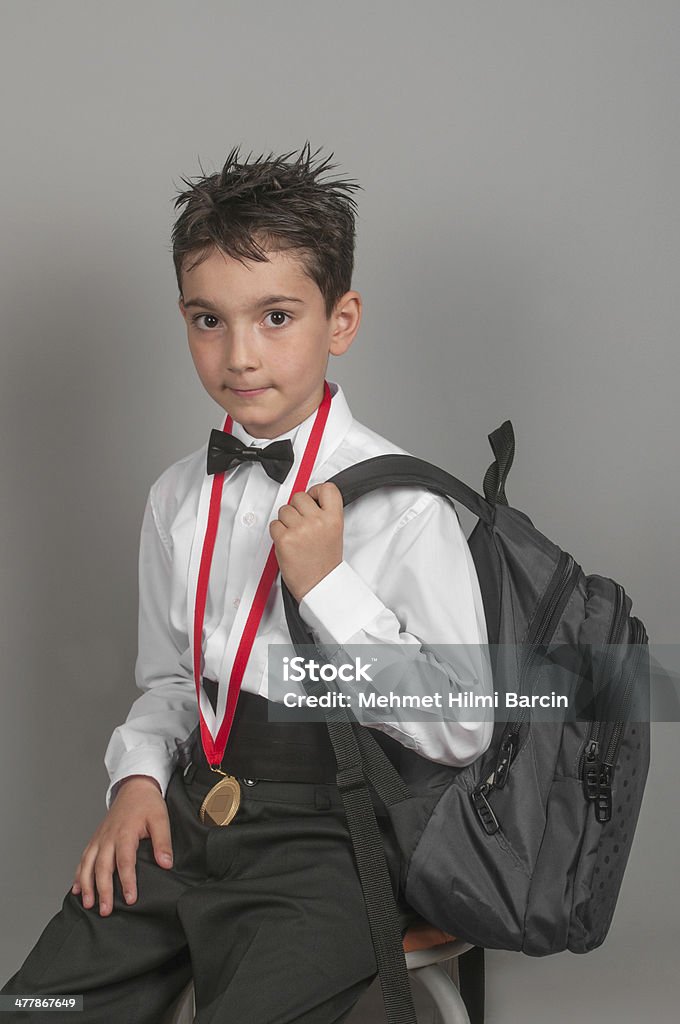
<point>407,579</point>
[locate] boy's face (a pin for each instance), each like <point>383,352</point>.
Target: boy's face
<point>259,337</point>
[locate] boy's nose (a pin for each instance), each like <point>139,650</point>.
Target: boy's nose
<point>241,351</point>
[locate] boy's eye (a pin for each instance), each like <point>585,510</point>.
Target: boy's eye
<point>206,317</point>
<point>276,315</point>
<point>208,321</point>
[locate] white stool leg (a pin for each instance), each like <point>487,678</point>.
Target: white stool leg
<point>183,1009</point>
<point>443,992</point>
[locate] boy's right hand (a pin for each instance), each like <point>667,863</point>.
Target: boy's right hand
<point>138,811</point>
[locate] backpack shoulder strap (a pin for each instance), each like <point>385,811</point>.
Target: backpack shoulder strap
<point>358,754</point>
<point>408,471</point>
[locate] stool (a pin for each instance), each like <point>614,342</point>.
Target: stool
<point>426,949</point>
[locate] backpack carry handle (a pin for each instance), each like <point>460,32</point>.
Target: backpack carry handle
<point>502,441</point>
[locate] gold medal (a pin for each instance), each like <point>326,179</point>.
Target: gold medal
<point>222,801</point>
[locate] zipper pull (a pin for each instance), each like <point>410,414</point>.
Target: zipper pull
<point>506,753</point>
<point>603,803</point>
<point>591,770</point>
<point>483,808</point>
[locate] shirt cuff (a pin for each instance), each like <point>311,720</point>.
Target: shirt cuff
<point>140,762</point>
<point>340,605</point>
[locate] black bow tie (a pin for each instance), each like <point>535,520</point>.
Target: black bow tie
<point>225,450</point>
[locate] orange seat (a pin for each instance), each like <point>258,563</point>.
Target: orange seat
<point>424,936</point>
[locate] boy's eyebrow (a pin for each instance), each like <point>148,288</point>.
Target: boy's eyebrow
<point>267,300</point>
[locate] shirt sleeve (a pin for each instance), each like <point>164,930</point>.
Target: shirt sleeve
<point>425,605</point>
<point>167,712</point>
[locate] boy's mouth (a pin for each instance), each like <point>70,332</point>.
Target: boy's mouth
<point>248,392</point>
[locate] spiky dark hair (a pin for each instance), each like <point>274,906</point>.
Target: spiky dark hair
<point>271,203</point>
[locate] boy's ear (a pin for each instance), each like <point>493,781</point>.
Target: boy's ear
<point>182,310</point>
<point>346,317</point>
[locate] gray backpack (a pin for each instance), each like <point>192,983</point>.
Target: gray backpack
<point>524,849</point>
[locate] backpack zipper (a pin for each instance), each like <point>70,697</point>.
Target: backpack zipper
<point>559,593</point>
<point>599,774</point>
<point>590,764</point>
<point>639,639</point>
<point>560,589</point>
<point>596,773</point>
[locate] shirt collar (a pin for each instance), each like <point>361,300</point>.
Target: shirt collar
<point>337,425</point>
<point>239,431</point>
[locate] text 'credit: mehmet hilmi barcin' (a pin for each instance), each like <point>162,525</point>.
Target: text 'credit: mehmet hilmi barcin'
<point>297,669</point>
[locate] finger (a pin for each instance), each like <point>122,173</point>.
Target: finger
<point>126,858</point>
<point>103,874</point>
<point>327,495</point>
<point>159,830</point>
<point>289,515</point>
<point>304,502</point>
<point>86,876</point>
<point>276,530</point>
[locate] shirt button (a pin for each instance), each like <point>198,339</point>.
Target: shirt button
<point>248,519</point>
<point>236,602</point>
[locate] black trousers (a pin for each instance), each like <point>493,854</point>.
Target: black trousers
<point>266,915</point>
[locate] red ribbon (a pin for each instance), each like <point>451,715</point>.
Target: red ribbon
<point>214,749</point>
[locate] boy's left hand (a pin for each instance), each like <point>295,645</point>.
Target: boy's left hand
<point>308,537</point>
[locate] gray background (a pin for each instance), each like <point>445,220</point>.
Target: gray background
<point>517,253</point>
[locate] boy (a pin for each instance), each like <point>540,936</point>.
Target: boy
<point>257,898</point>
